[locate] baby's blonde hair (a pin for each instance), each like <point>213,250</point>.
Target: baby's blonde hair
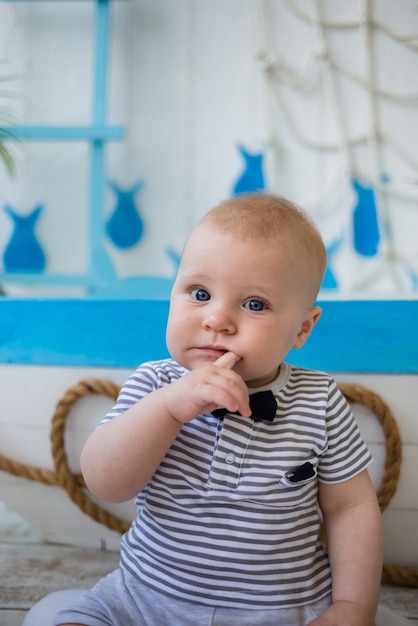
<point>267,216</point>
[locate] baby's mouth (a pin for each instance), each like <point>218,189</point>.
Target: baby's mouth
<point>215,350</point>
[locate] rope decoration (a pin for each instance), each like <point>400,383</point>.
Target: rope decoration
<point>63,476</point>
<point>74,484</point>
<point>405,576</point>
<point>364,145</point>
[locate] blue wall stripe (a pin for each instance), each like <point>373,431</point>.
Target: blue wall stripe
<point>352,336</point>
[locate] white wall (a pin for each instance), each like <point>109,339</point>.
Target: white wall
<point>186,84</point>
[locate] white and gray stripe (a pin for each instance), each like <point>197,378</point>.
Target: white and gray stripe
<point>221,522</point>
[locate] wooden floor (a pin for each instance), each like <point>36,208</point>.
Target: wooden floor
<point>30,571</point>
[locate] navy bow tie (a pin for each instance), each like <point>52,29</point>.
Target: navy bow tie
<point>263,407</point>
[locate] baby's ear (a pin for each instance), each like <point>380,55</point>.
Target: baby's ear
<point>306,328</point>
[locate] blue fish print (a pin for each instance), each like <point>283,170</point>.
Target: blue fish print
<point>125,226</point>
<point>365,220</point>
<point>252,178</point>
<point>23,253</point>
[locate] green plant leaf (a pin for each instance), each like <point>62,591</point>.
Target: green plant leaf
<point>7,158</point>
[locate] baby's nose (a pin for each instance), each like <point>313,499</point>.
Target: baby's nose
<point>220,321</point>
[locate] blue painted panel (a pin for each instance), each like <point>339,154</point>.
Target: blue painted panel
<point>351,336</point>
<point>75,332</point>
<point>363,336</point>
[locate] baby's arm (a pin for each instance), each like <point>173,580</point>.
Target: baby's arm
<point>120,458</point>
<point>355,543</point>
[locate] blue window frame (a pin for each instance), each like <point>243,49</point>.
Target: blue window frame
<point>98,133</point>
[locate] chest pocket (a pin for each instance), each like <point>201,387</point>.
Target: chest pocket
<point>299,476</point>
<point>299,486</point>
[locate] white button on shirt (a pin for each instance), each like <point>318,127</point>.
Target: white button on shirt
<point>230,458</point>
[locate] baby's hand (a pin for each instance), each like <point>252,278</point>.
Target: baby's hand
<point>227,360</point>
<point>207,388</point>
<point>345,614</point>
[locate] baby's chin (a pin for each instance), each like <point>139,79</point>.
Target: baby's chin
<point>262,379</point>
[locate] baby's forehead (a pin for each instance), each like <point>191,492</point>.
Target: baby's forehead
<point>208,244</point>
<point>213,233</point>
<point>285,250</point>
<point>208,237</point>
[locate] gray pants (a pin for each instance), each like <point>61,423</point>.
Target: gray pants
<point>112,604</point>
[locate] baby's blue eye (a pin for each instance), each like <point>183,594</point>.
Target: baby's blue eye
<point>201,295</point>
<point>255,305</point>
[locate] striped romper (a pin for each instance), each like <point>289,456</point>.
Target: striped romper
<point>230,518</point>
